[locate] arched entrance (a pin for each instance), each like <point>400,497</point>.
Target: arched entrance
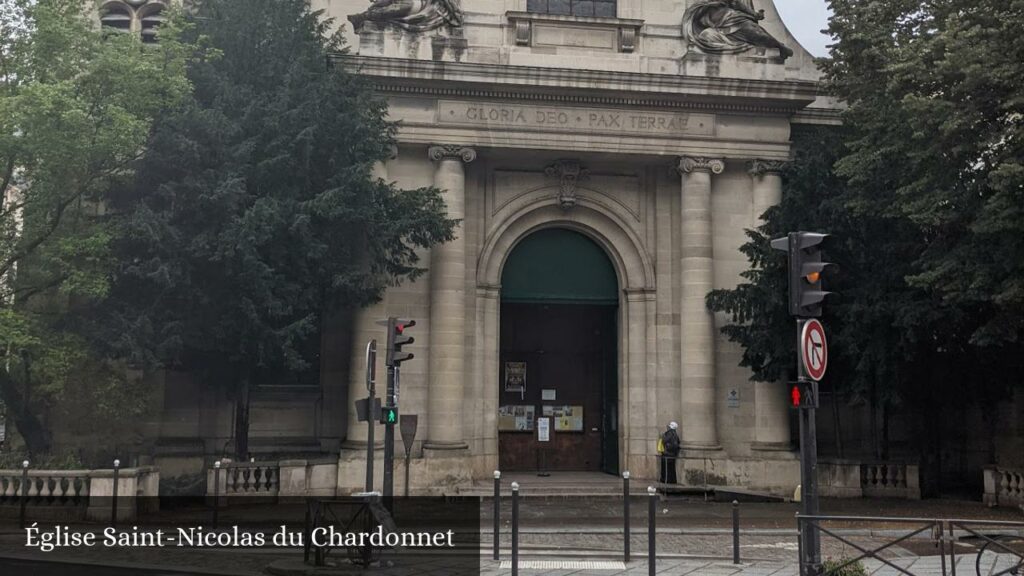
<point>558,355</point>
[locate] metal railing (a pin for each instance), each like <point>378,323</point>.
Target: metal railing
<point>994,537</point>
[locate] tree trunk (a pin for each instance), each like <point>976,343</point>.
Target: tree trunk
<point>36,436</point>
<point>242,420</point>
<point>875,452</point>
<point>837,425</point>
<point>885,432</point>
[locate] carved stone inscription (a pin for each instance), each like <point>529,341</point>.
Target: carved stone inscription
<point>580,119</point>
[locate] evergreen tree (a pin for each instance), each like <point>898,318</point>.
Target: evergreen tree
<point>255,214</point>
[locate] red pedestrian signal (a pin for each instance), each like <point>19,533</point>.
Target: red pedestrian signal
<point>794,396</point>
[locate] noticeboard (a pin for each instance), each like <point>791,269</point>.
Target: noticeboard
<point>516,418</point>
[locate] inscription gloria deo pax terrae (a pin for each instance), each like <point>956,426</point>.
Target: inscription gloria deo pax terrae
<point>575,118</point>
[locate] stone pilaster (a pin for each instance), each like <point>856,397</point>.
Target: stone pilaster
<point>446,361</point>
<point>771,430</point>
<point>698,419</point>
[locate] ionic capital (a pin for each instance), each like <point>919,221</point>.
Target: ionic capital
<point>689,164</point>
<point>762,167</point>
<point>444,152</point>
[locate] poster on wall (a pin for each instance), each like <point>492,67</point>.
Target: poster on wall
<point>515,377</point>
<point>568,418</point>
<point>516,418</point>
<point>544,429</point>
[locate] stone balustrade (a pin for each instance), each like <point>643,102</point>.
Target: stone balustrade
<point>287,478</point>
<point>891,479</point>
<point>855,479</point>
<point>70,495</point>
<point>1004,487</point>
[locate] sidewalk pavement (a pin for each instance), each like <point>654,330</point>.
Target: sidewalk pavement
<point>918,566</point>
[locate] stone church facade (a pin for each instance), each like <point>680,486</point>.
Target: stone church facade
<point>605,158</point>
<point>656,130</point>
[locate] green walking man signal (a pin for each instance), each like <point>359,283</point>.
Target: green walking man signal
<point>388,415</point>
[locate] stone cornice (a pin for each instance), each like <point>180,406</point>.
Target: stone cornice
<point>475,80</point>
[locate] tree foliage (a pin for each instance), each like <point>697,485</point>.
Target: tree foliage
<point>76,108</point>
<point>936,109</point>
<point>923,190</point>
<point>255,212</point>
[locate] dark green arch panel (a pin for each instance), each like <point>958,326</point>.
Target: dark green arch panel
<point>559,265</point>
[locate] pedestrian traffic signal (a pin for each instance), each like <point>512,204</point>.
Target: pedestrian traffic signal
<point>803,394</point>
<point>806,269</point>
<point>389,415</point>
<point>396,339</point>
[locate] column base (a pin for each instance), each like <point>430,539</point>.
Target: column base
<point>701,446</point>
<point>773,446</point>
<point>348,445</point>
<point>444,446</point>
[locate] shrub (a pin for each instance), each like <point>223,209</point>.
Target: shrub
<point>831,567</point>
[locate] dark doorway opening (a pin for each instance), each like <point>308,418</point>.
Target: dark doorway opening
<point>559,359</point>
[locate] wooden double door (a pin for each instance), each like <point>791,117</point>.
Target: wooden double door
<point>565,355</point>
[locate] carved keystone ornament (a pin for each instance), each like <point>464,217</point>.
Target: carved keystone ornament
<point>569,174</point>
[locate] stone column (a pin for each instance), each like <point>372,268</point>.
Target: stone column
<point>364,329</point>
<point>698,415</point>
<point>771,430</point>
<point>446,363</point>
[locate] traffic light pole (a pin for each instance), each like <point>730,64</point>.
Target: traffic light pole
<point>371,388</point>
<point>810,564</point>
<point>389,439</point>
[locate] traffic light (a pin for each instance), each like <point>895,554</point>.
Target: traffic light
<point>806,270</point>
<point>803,394</point>
<point>396,339</point>
<point>389,415</point>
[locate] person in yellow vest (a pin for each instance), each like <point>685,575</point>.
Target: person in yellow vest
<point>668,452</point>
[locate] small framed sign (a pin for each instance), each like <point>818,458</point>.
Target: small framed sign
<point>515,377</point>
<point>544,429</point>
<point>547,394</point>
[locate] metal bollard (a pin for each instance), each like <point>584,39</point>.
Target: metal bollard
<point>497,513</point>
<point>24,493</point>
<point>625,516</point>
<point>735,532</point>
<point>652,514</point>
<point>113,505</point>
<point>216,491</point>
<point>515,529</point>
<point>800,545</point>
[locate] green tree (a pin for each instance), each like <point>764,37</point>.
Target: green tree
<point>936,110</point>
<point>75,111</point>
<point>256,213</point>
<point>888,338</point>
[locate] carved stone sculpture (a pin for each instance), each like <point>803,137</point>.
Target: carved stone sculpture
<point>411,15</point>
<point>569,174</point>
<point>728,27</point>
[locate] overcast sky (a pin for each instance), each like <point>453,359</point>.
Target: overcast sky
<point>806,19</point>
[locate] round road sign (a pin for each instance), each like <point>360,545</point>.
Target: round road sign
<point>814,349</point>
